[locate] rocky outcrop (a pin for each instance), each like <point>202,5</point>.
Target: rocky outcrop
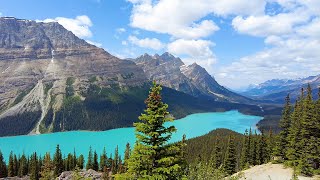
<point>87,174</point>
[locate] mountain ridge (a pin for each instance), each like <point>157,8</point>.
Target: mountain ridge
<point>276,89</point>
<point>191,79</point>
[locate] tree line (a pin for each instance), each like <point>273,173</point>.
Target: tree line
<point>298,143</point>
<point>47,167</point>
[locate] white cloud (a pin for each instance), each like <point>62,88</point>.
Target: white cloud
<point>312,29</point>
<point>80,26</point>
<point>266,25</point>
<point>181,18</point>
<point>0,14</point>
<point>196,50</point>
<point>152,43</point>
<point>94,43</point>
<point>289,58</point>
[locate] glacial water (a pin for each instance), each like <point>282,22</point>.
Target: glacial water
<point>193,125</point>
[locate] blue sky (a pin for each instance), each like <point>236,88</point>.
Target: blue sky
<point>239,42</point>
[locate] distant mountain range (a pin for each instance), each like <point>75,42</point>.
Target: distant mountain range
<point>50,80</point>
<point>276,89</point>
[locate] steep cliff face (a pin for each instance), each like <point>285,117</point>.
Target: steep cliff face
<point>165,69</point>
<point>192,79</point>
<point>41,62</point>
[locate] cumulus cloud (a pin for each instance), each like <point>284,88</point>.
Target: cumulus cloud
<point>152,43</point>
<point>266,25</point>
<point>288,58</point>
<point>292,38</point>
<point>196,50</point>
<point>80,26</point>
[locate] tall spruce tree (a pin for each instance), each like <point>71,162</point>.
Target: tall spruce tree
<point>230,160</point>
<point>103,159</point>
<point>245,151</point>
<point>308,142</point>
<point>3,167</point>
<point>89,164</point>
<point>285,121</point>
<point>153,157</point>
<point>58,161</point>
<point>95,165</point>
<point>34,167</point>
<point>116,160</point>
<point>23,166</point>
<point>10,165</point>
<point>127,155</point>
<point>47,168</point>
<point>80,162</point>
<point>216,159</point>
<point>294,136</point>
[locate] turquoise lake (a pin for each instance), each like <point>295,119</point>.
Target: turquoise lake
<point>193,125</point>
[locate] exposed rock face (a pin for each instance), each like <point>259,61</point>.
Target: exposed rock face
<point>36,60</point>
<point>192,79</point>
<point>91,174</point>
<point>166,70</point>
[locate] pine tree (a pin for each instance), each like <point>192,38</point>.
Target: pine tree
<point>253,149</point>
<point>308,142</point>
<point>230,161</point>
<point>74,159</point>
<point>103,160</point>
<point>95,165</point>
<point>261,150</point>
<point>294,136</point>
<point>10,165</point>
<point>23,166</point>
<point>34,169</point>
<point>80,162</point>
<point>116,161</point>
<point>15,165</point>
<point>245,151</point>
<point>58,161</point>
<point>127,155</point>
<point>270,145</point>
<point>90,160</point>
<point>152,156</point>
<point>216,159</point>
<point>3,167</point>
<point>284,124</point>
<point>47,168</point>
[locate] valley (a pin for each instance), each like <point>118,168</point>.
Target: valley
<point>152,116</point>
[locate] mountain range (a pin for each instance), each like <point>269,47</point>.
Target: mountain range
<point>53,81</point>
<point>191,79</point>
<point>276,89</point>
